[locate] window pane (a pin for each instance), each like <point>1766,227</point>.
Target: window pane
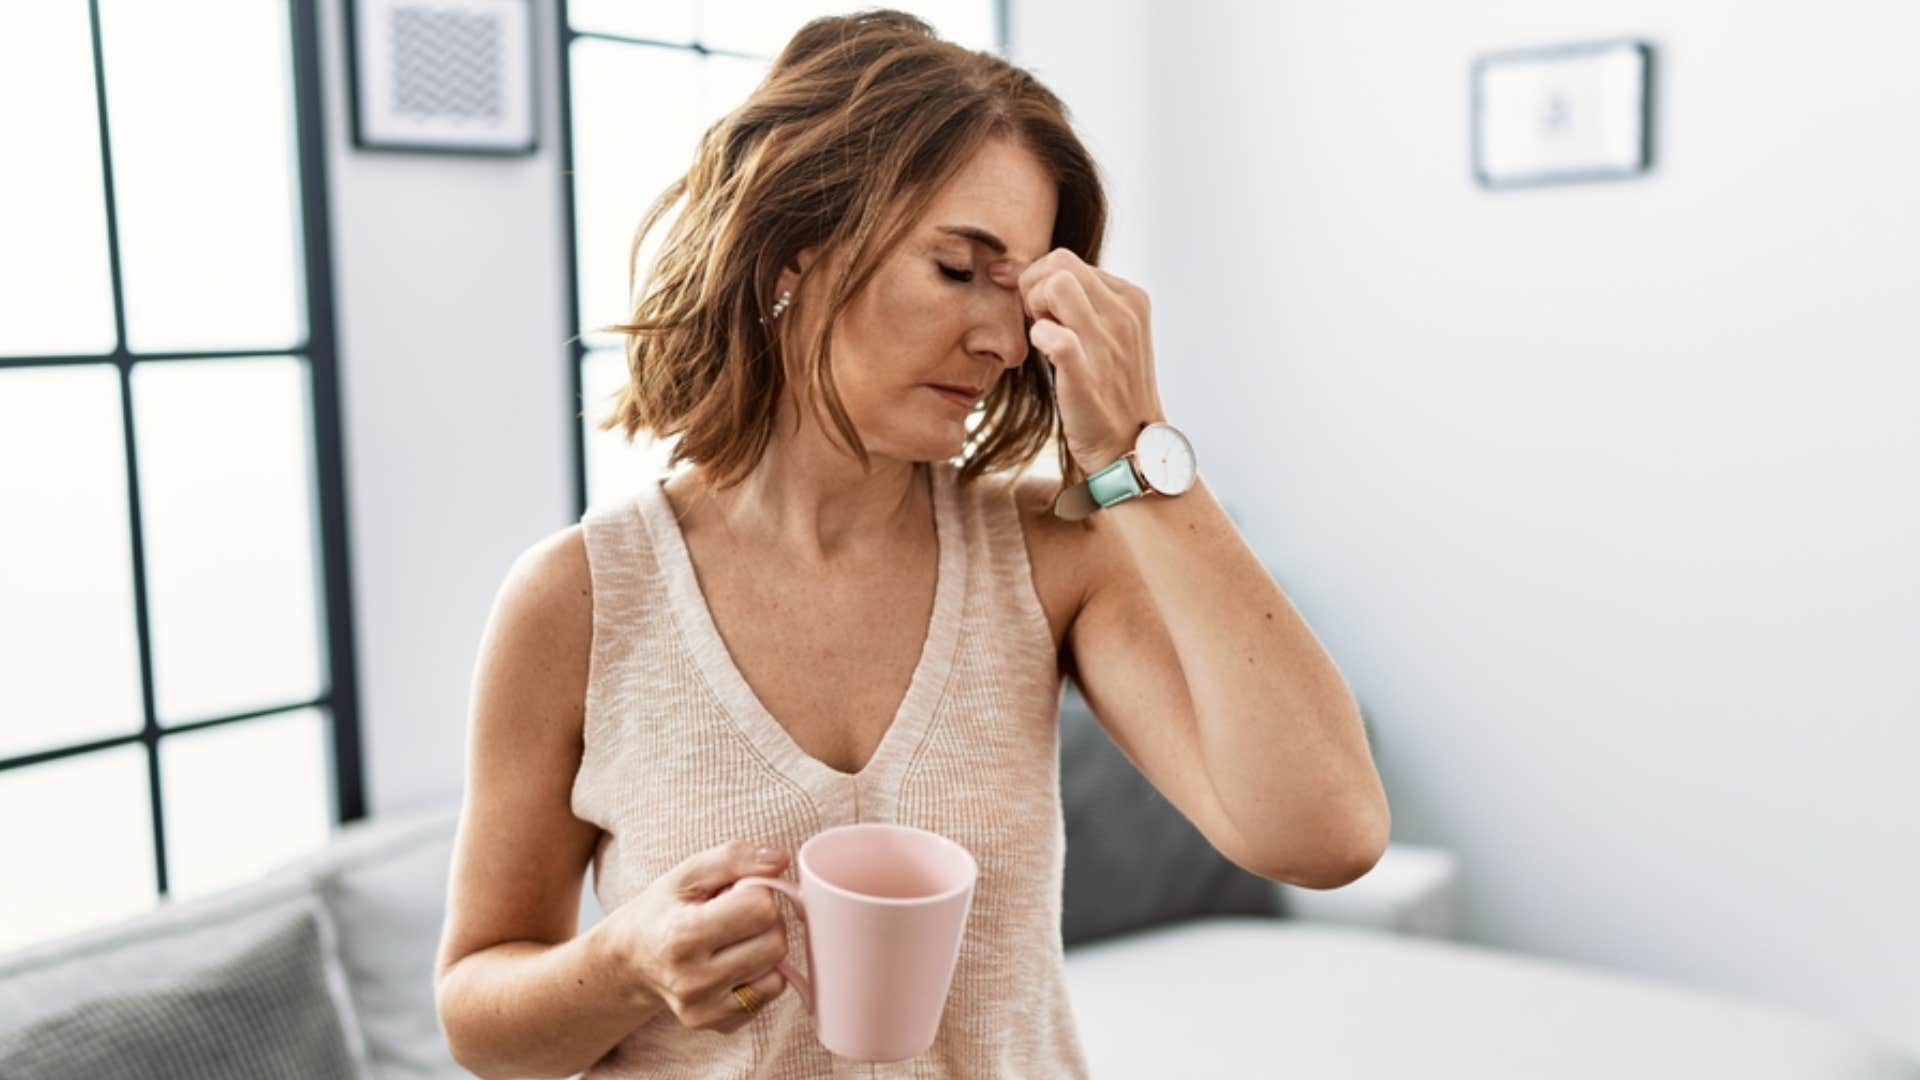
<point>615,468</point>
<point>227,508</point>
<point>632,135</point>
<point>763,27</point>
<point>659,20</point>
<point>87,860</point>
<point>725,82</point>
<point>621,166</point>
<point>200,110</point>
<point>759,27</point>
<point>240,799</point>
<point>55,293</point>
<point>972,23</point>
<point>69,658</point>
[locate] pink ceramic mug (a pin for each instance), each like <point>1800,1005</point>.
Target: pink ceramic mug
<point>885,906</point>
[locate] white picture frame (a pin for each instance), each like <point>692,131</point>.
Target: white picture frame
<point>442,76</point>
<point>1562,114</point>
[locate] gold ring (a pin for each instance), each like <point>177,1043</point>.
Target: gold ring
<point>748,1000</point>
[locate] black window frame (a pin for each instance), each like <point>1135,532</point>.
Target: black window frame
<point>340,702</point>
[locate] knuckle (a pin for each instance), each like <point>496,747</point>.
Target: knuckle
<point>676,943</point>
<point>768,908</point>
<point>679,986</point>
<point>694,1015</point>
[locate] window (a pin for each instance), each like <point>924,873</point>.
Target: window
<point>640,82</point>
<point>176,682</point>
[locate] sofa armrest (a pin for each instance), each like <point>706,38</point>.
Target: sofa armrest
<point>1411,890</point>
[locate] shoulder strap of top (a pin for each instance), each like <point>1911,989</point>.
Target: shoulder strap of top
<point>995,500</point>
<point>618,553</point>
<point>620,560</point>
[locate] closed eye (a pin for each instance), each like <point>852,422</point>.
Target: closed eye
<point>956,275</point>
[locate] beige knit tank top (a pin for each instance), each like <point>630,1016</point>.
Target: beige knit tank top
<point>681,755</point>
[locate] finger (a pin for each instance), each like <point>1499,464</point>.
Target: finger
<point>1101,287</point>
<point>737,914</point>
<point>706,871</point>
<point>1061,297</point>
<point>1085,302</point>
<point>767,987</point>
<point>751,957</point>
<point>1038,268</point>
<point>1120,286</point>
<point>1058,344</point>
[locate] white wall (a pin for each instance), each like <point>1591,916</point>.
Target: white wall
<point>1602,496</point>
<point>450,284</point>
<point>1093,59</point>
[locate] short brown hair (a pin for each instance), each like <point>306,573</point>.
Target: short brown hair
<point>844,143</point>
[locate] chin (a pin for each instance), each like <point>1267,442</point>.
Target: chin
<point>942,448</point>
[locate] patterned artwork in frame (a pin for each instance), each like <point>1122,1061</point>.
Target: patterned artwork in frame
<point>447,76</point>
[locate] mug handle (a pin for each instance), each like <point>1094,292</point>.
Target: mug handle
<point>792,892</point>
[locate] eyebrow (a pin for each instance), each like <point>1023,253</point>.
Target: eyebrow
<point>975,232</point>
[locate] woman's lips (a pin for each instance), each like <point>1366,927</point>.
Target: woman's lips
<point>958,397</point>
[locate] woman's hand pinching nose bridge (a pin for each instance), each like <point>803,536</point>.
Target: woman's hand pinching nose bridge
<point>1095,328</point>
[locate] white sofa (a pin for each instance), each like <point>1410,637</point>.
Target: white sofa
<point>1359,982</point>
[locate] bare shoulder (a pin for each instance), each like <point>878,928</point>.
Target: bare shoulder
<point>554,570</point>
<point>545,602</point>
<point>520,854</point>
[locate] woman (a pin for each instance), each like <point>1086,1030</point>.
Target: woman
<point>825,620</point>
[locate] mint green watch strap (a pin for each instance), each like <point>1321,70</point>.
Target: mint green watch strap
<point>1114,484</point>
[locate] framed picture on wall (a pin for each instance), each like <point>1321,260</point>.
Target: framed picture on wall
<point>1563,114</point>
<point>445,76</point>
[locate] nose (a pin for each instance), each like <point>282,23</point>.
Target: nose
<point>1006,273</point>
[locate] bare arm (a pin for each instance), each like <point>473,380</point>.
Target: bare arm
<point>1212,684</point>
<point>532,1009</point>
<point>519,992</point>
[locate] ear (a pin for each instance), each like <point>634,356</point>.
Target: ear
<point>797,267</point>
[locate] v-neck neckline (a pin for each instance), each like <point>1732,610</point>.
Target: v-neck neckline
<point>744,706</point>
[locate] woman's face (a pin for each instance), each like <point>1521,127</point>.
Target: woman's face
<point>932,313</point>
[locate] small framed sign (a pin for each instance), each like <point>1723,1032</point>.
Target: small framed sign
<point>1562,114</point>
<point>447,76</point>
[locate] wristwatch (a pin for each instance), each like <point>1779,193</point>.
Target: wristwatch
<point>1161,463</point>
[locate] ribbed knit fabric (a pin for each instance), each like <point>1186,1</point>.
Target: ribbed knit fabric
<point>681,755</point>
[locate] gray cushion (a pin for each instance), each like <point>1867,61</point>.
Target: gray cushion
<point>387,890</point>
<point>1133,860</point>
<point>266,1012</point>
<point>159,947</point>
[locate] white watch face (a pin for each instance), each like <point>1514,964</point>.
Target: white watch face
<point>1165,458</point>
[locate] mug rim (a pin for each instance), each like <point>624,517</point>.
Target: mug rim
<point>895,901</point>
